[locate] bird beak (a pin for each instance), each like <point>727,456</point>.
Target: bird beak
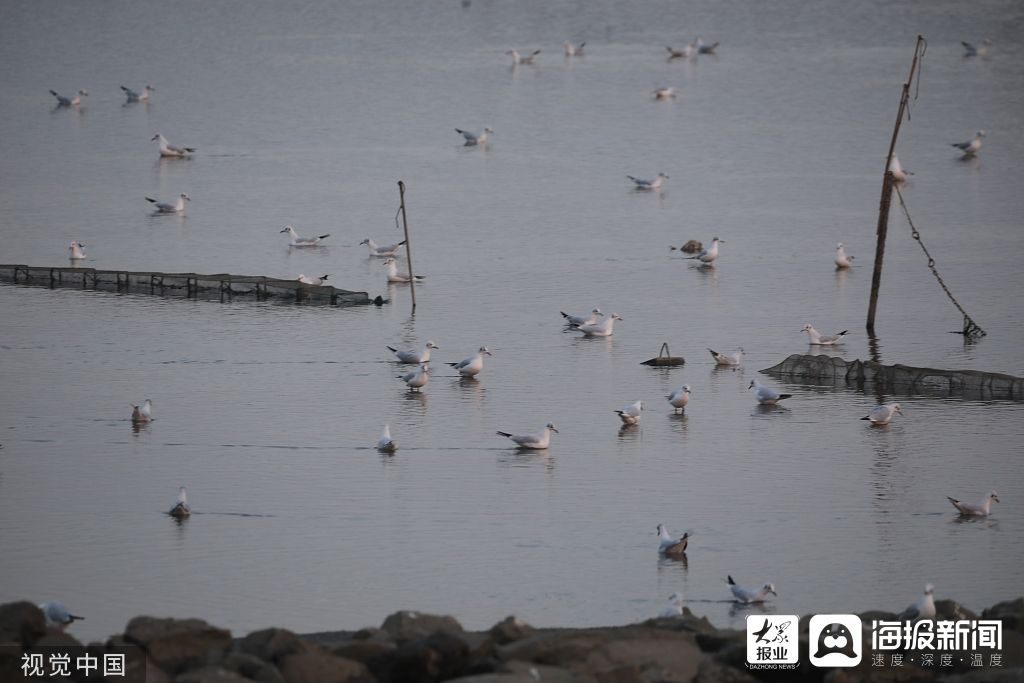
<point>995,498</point>
<point>774,593</point>
<point>555,430</point>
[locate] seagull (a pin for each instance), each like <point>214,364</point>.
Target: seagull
<point>704,49</point>
<point>322,280</point>
<point>971,147</point>
<point>69,102</point>
<point>630,415</point>
<point>475,138</point>
<point>414,356</point>
<point>297,241</point>
<point>674,608</point>
<point>577,320</point>
<point>142,413</point>
<point>601,329</point>
<point>747,596</point>
<point>819,339</point>
<point>722,359</point>
<point>679,398</point>
<point>685,53</point>
<point>385,444</point>
<point>708,256</point>
<point>766,395</point>
<point>644,184</point>
<point>76,251</point>
<point>176,207</point>
<point>972,50</point>
<point>381,251</point>
<point>472,365</point>
<point>520,59</point>
<point>181,508</point>
<point>883,414</point>
<point>898,173</point>
<point>169,150</point>
<point>138,97</point>
<point>394,275</point>
<point>537,442</point>
<point>573,50</point>
<point>668,93</point>
<point>57,615</point>
<point>669,545</point>
<point>924,608</point>
<point>418,378</point>
<point>982,509</point>
<point>842,260</point>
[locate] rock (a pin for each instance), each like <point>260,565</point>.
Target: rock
<point>711,671</point>
<point>716,641</point>
<point>435,658</point>
<point>22,623</point>
<point>175,645</point>
<point>986,676</point>
<point>1010,612</point>
<point>950,609</point>
<point>271,644</point>
<point>364,650</point>
<point>691,247</point>
<point>406,625</point>
<point>371,633</point>
<point>252,667</point>
<point>509,630</point>
<point>211,674</point>
<point>317,666</point>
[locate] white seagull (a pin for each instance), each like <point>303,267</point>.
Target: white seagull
<point>169,150</point>
<point>138,96</point>
<point>297,241</point>
<point>687,52</point>
<point>747,596</point>
<point>601,329</point>
<point>679,398</point>
<point>181,507</point>
<point>417,379</point>
<point>722,359</point>
<point>57,615</point>
<point>674,608</point>
<point>382,251</point>
<point>306,280</point>
<point>972,50</point>
<point>924,608</point>
<point>573,50</point>
<point>142,413</point>
<point>708,256</point>
<point>176,207</point>
<point>394,275</point>
<point>883,414</point>
<point>819,339</point>
<point>630,415</point>
<point>842,260</point>
<point>69,102</point>
<point>475,138</point>
<point>705,49</point>
<point>971,147</point>
<point>385,444</point>
<point>766,395</point>
<point>520,59</point>
<point>472,366</point>
<point>982,509</point>
<point>899,174</point>
<point>537,442</point>
<point>76,251</point>
<point>577,320</point>
<point>667,93</point>
<point>414,357</point>
<point>669,544</point>
<point>645,184</point>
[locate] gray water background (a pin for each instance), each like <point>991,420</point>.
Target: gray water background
<point>308,113</point>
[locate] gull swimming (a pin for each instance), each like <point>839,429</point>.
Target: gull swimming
<point>669,544</point>
<point>819,339</point>
<point>76,251</point>
<point>138,96</point>
<point>630,415</point>
<point>181,508</point>
<point>414,356</point>
<point>766,395</point>
<point>472,366</point>
<point>705,49</point>
<point>842,260</point>
<point>665,93</point>
<point>924,608</point>
<point>169,150</point>
<point>573,50</point>
<point>687,52</point>
<point>537,442</point>
<point>898,173</point>
<point>520,59</point>
<point>417,379</point>
<point>883,414</point>
<point>394,275</point>
<point>69,102</point>
<point>679,398</point>
<point>971,147</point>
<point>475,138</point>
<point>176,207</point>
<point>972,50</point>
<point>708,256</point>
<point>306,280</point>
<point>982,509</point>
<point>644,184</point>
<point>747,596</point>
<point>57,615</point>
<point>142,413</point>
<point>722,359</point>
<point>297,241</point>
<point>382,251</point>
<point>577,320</point>
<point>674,608</point>
<point>601,329</point>
<point>385,444</point>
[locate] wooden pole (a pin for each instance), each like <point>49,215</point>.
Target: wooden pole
<point>408,246</point>
<point>887,185</point>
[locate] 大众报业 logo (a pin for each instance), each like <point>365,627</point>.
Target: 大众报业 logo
<point>772,640</point>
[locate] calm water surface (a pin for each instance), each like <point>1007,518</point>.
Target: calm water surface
<point>308,114</point>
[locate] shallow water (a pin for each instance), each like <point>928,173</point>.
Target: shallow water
<point>309,115</point>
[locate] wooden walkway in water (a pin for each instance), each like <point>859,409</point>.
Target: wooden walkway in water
<point>220,286</point>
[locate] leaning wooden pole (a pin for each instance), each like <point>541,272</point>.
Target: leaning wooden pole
<point>408,245</point>
<point>887,186</point>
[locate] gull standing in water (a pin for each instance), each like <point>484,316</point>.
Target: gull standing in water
<point>417,379</point>
<point>668,93</point>
<point>924,608</point>
<point>577,320</point>
<point>687,52</point>
<point>297,241</point>
<point>536,442</point>
<point>306,280</point>
<point>142,413</point>
<point>982,509</point>
<point>819,339</point>
<point>181,508</point>
<point>766,395</point>
<point>394,275</point>
<point>747,595</point>
<point>385,444</point>
<point>972,50</point>
<point>573,50</point>
<point>842,260</point>
<point>382,251</point>
<point>414,357</point>
<point>601,329</point>
<point>133,96</point>
<point>674,608</point>
<point>679,399</point>
<point>169,150</point>
<point>76,251</point>
<point>475,138</point>
<point>70,102</point>
<point>722,359</point>
<point>644,184</point>
<point>883,414</point>
<point>57,615</point>
<point>630,415</point>
<point>472,366</point>
<point>971,147</point>
<point>176,207</point>
<point>669,544</point>
<point>518,59</point>
<point>708,256</point>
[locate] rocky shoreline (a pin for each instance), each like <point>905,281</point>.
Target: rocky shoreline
<point>412,647</point>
